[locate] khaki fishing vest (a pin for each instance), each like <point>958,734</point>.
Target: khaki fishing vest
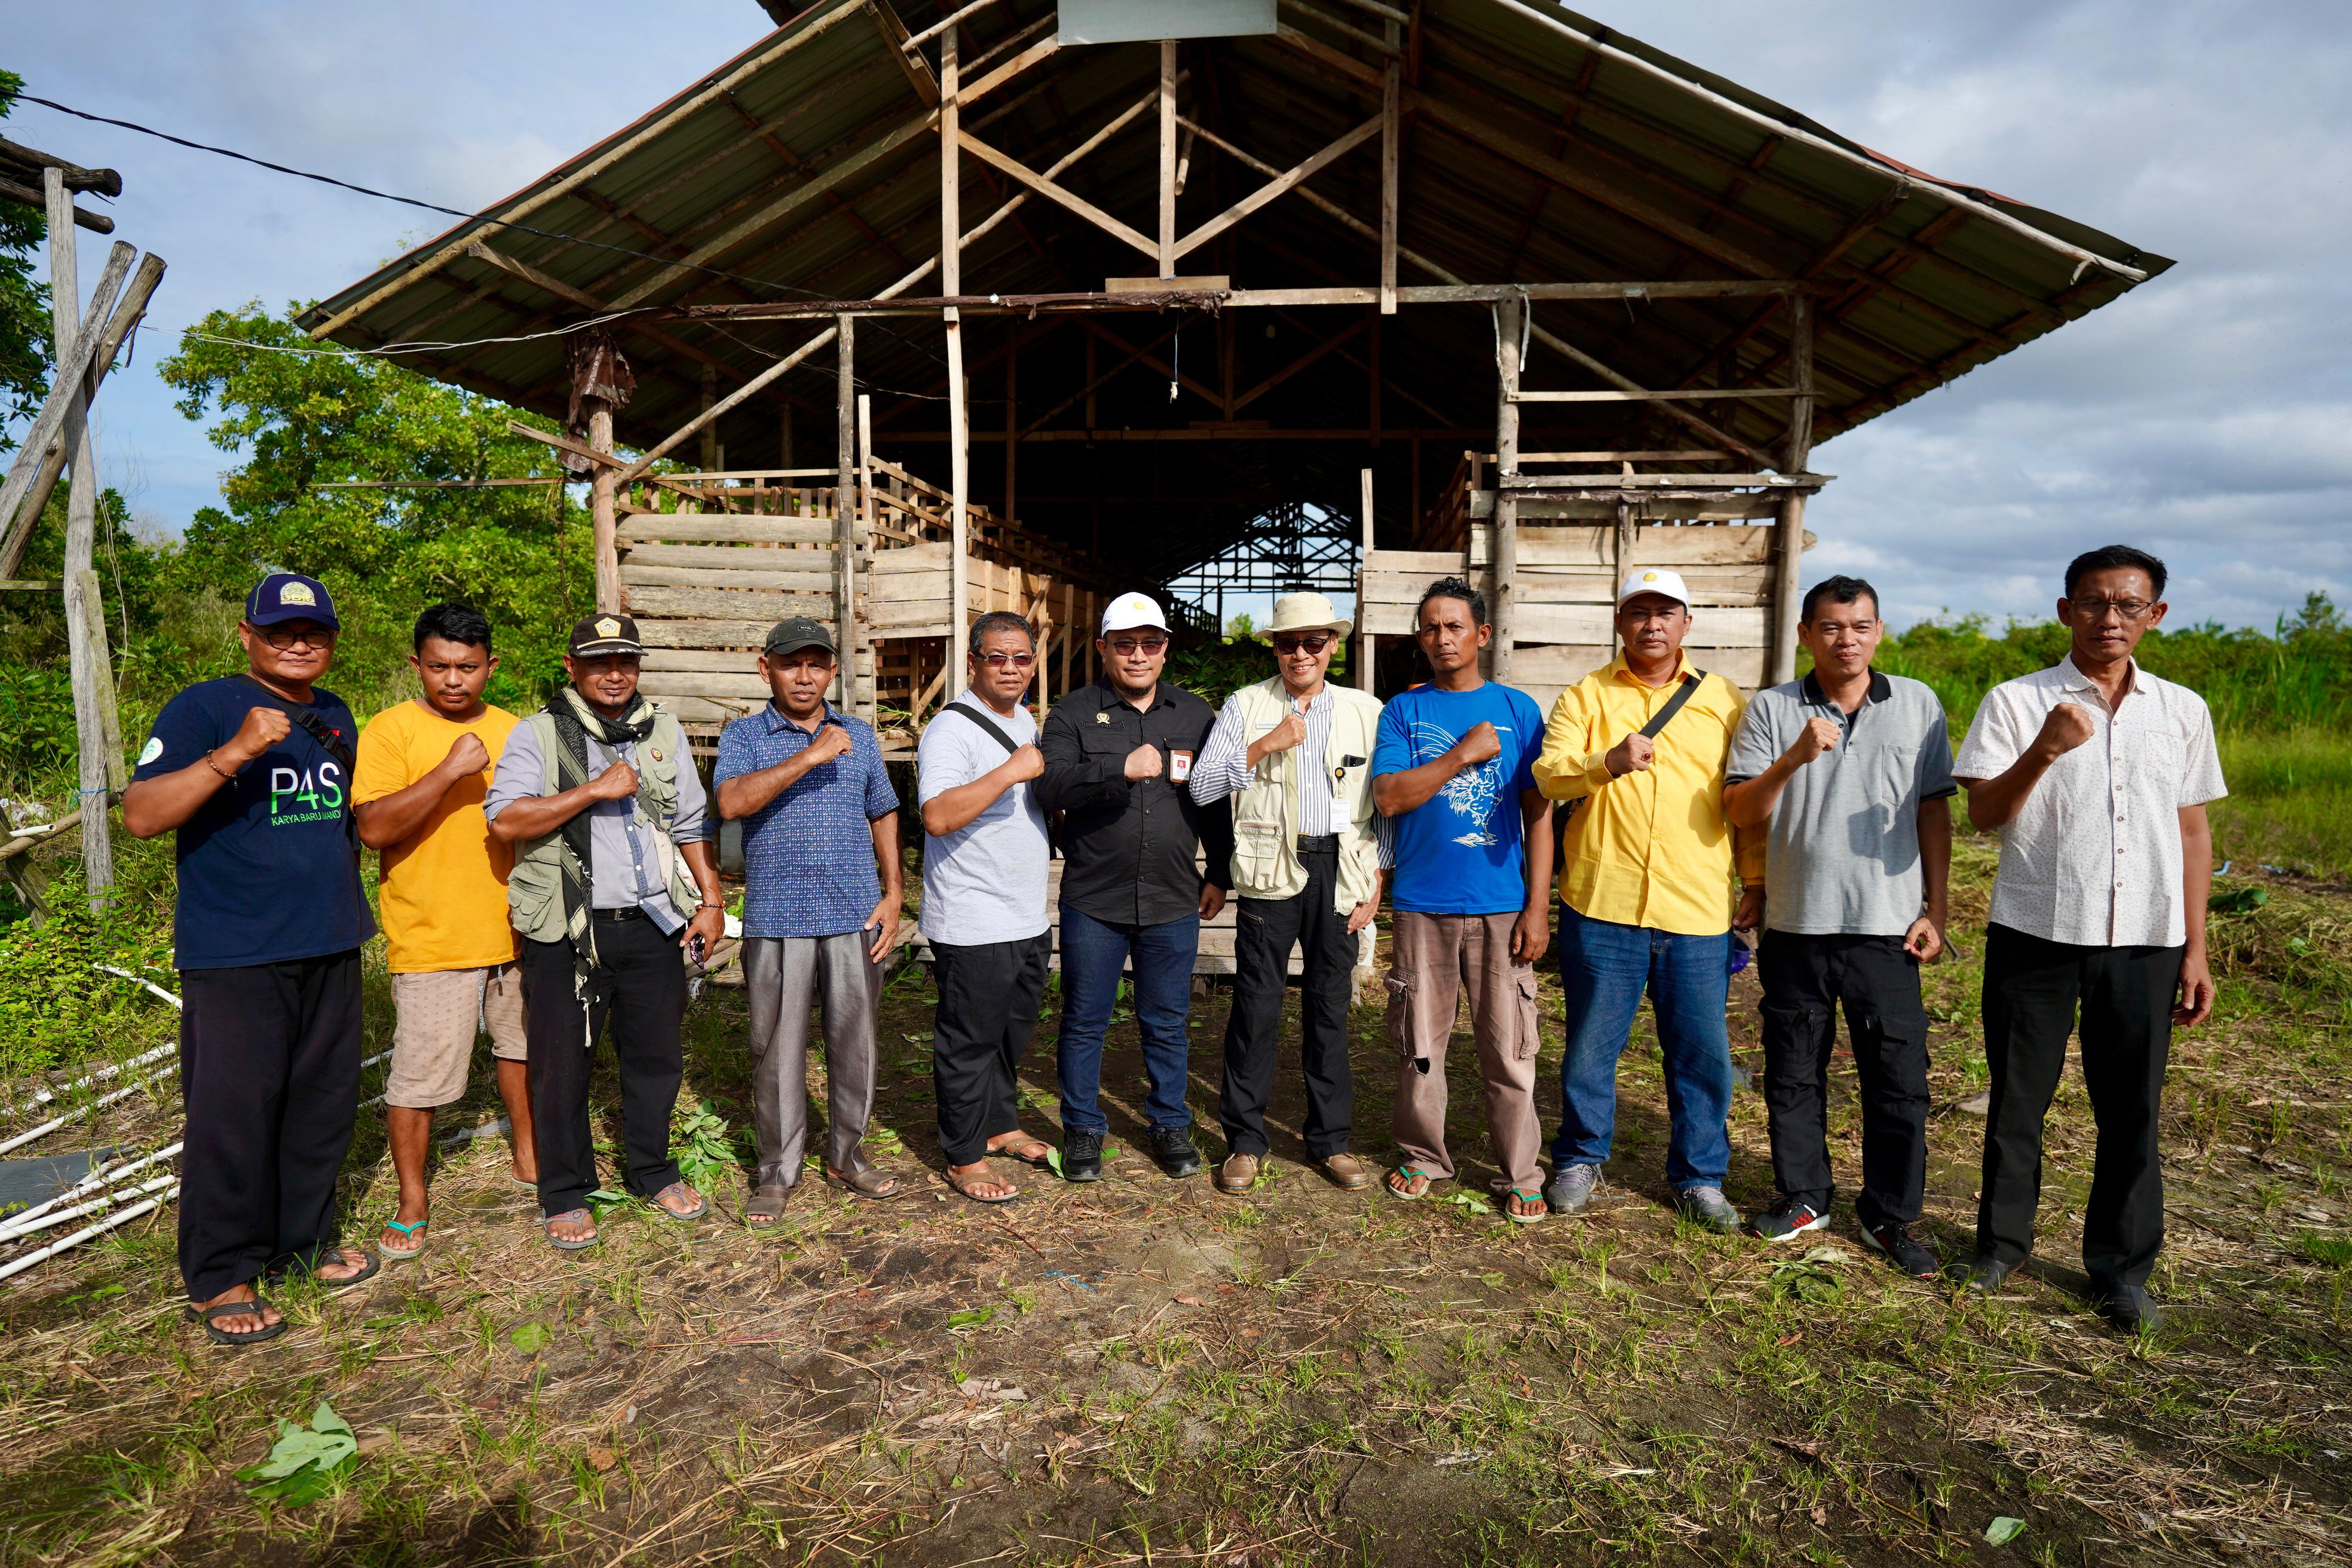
<point>535,889</point>
<point>1266,814</point>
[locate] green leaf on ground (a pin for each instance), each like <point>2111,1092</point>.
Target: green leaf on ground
<point>529,1338</point>
<point>971,1317</point>
<point>1805,1281</point>
<point>2238,900</point>
<point>1053,1161</point>
<point>304,1463</point>
<point>2003,1530</point>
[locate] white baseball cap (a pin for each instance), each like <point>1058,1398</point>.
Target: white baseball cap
<point>1655,580</point>
<point>1129,611</point>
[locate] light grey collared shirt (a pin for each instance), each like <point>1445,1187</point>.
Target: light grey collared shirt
<point>624,867</point>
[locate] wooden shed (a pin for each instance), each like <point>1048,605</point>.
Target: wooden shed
<point>1002,306</point>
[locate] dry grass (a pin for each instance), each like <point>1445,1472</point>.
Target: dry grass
<point>1144,1372</point>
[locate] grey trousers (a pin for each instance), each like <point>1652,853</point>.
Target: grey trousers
<point>784,976</point>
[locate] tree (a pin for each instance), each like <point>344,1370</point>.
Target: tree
<point>299,417</point>
<point>24,348</point>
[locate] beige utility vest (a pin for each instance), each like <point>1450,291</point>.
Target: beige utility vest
<point>535,889</point>
<point>1266,814</point>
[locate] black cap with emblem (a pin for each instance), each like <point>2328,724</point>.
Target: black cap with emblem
<point>797,632</point>
<point>605,633</point>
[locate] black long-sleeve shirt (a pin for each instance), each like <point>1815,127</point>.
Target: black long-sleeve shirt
<point>1130,848</point>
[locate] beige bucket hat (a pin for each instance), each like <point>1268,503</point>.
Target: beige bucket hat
<point>1307,613</point>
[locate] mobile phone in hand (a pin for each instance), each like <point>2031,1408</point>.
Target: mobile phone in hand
<point>694,947</point>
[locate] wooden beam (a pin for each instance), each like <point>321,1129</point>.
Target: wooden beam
<point>59,419</point>
<point>1167,252</point>
<point>1281,184</point>
<point>1301,363</point>
<point>1508,320</point>
<point>1207,393</point>
<point>1790,547</point>
<point>845,509</point>
<point>1361,654</point>
<point>1640,394</point>
<point>1060,194</point>
<point>951,143</point>
<point>1042,51</point>
<point>1391,151</point>
<point>97,223</point>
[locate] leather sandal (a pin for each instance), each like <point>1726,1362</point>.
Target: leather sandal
<point>1018,1146</point>
<point>1238,1173</point>
<point>701,1205</point>
<point>370,1266</point>
<point>766,1205</point>
<point>867,1182</point>
<point>570,1243</point>
<point>965,1182</point>
<point>1345,1171</point>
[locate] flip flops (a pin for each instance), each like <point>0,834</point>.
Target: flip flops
<point>1042,1159</point>
<point>1411,1173</point>
<point>371,1264</point>
<point>570,1243</point>
<point>701,1205</point>
<point>1502,1205</point>
<point>413,1229</point>
<point>964,1184</point>
<point>221,1336</point>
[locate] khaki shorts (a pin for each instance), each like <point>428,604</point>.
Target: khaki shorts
<point>439,1014</point>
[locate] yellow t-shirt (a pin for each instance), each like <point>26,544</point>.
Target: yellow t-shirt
<point>444,897</point>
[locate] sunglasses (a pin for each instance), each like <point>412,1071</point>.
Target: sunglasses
<point>1128,648</point>
<point>285,637</point>
<point>1007,661</point>
<point>1312,642</point>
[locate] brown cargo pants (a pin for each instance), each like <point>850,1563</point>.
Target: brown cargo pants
<point>1433,960</point>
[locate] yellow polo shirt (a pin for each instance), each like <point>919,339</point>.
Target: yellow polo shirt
<point>444,894</point>
<point>1651,848</point>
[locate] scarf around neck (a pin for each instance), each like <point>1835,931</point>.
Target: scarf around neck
<point>576,720</point>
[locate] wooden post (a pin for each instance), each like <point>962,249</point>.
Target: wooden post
<point>784,440</point>
<point>1509,315</point>
<point>958,388</point>
<point>599,510</point>
<point>1624,555</point>
<point>1362,652</point>
<point>1790,548</point>
<point>1391,149</point>
<point>1012,426</point>
<point>90,670</point>
<point>1373,386</point>
<point>710,460</point>
<point>845,507</point>
<point>1168,158</point>
<point>860,636</point>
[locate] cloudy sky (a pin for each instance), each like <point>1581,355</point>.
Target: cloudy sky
<point>2205,415</point>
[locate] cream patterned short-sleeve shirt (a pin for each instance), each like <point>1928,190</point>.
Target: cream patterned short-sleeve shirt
<point>2094,857</point>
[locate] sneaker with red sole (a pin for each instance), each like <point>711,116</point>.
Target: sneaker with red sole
<point>1787,1220</point>
<point>1903,1250</point>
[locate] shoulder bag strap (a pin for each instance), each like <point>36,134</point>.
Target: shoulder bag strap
<point>1682,694</point>
<point>308,720</point>
<point>985,723</point>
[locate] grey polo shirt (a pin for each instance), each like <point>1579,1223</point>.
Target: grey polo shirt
<point>624,867</point>
<point>1845,846</point>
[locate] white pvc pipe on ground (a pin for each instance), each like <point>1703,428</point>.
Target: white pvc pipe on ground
<point>100,1176</point>
<point>15,1230</point>
<point>9,1270</point>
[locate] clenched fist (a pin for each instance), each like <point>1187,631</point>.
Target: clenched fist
<point>263,728</point>
<point>618,782</point>
<point>1630,755</point>
<point>1290,733</point>
<point>1026,762</point>
<point>1143,763</point>
<point>467,755</point>
<point>831,740</point>
<point>1818,737</point>
<point>2068,726</point>
<point>1480,745</point>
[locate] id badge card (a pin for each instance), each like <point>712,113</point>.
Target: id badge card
<point>1179,765</point>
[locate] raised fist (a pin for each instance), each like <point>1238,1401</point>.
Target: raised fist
<point>2067,726</point>
<point>1630,755</point>
<point>263,728</point>
<point>618,782</point>
<point>1290,733</point>
<point>467,755</point>
<point>1028,762</point>
<point>1818,736</point>
<point>831,740</point>
<point>1480,745</point>
<point>1143,763</point>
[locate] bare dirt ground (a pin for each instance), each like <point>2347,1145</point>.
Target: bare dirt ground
<point>1146,1371</point>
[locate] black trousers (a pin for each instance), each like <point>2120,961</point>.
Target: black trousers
<point>1806,980</point>
<point>644,988</point>
<point>2033,990</point>
<point>269,1077</point>
<point>1264,930</point>
<point>989,993</point>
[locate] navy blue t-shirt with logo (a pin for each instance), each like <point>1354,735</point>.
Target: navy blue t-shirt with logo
<point>266,871</point>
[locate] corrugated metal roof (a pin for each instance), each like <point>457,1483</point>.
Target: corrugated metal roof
<point>1540,146</point>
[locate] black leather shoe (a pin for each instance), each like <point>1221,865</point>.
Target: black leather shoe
<point>1982,1275</point>
<point>2128,1310</point>
<point>1173,1147</point>
<point>1082,1156</point>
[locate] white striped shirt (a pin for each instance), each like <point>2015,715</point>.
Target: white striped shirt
<point>1223,768</point>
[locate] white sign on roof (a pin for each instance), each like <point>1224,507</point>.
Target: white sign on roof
<point>1141,21</point>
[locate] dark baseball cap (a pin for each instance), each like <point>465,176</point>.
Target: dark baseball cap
<point>289,596</point>
<point>603,633</point>
<point>795,633</point>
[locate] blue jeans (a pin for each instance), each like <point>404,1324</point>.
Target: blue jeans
<point>1603,968</point>
<point>1093,953</point>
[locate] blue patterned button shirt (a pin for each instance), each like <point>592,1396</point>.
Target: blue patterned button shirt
<point>808,855</point>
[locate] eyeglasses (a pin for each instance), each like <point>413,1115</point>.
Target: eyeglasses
<point>1128,648</point>
<point>1312,642</point>
<point>283,639</point>
<point>2096,609</point>
<point>1003,660</point>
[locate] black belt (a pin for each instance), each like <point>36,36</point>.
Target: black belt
<point>630,914</point>
<point>1319,844</point>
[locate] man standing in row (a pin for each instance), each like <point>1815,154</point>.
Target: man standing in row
<point>425,769</point>
<point>1640,743</point>
<point>2096,775</point>
<point>254,772</point>
<point>1452,775</point>
<point>1295,754</point>
<point>600,801</point>
<point>823,880</point>
<point>984,874</point>
<point>1120,753</point>
<point>1852,771</point>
